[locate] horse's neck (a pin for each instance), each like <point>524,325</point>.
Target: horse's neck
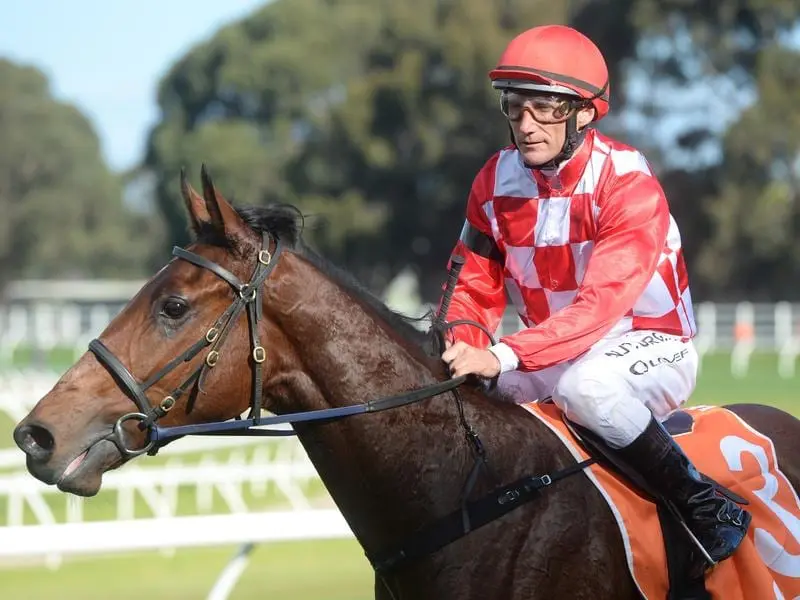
<point>388,472</point>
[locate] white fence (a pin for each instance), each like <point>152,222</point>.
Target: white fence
<point>41,315</point>
<point>45,315</point>
<point>740,329</point>
<point>721,327</point>
<point>229,475</point>
<point>102,537</point>
<point>280,466</point>
<point>252,468</point>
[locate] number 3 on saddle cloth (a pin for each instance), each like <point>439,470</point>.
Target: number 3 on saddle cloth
<point>766,566</point>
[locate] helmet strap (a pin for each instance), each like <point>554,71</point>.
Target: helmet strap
<point>572,140</point>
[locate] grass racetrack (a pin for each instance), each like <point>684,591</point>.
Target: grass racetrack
<point>330,570</point>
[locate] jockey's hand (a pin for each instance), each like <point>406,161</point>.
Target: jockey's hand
<point>464,359</point>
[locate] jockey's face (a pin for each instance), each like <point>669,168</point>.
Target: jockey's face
<point>539,123</point>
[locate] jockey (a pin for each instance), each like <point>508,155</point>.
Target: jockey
<point>575,227</point>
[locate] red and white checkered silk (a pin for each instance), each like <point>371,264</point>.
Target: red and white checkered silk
<point>589,252</point>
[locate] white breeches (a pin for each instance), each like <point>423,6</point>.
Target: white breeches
<point>614,388</point>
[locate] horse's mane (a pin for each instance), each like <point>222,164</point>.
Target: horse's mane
<point>285,222</point>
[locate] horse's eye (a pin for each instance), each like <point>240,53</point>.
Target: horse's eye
<point>174,308</point>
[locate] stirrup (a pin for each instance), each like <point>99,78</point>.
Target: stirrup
<point>596,446</point>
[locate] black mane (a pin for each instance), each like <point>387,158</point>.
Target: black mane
<point>286,222</point>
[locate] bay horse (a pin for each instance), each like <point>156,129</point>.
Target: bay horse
<point>329,345</point>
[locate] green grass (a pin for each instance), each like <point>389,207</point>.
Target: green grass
<point>103,507</point>
<point>761,385</point>
<point>58,358</point>
<point>331,570</point>
<point>6,427</point>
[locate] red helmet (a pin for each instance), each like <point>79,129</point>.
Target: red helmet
<point>557,59</point>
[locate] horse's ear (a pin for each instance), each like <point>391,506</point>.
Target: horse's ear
<point>195,205</point>
<point>223,215</point>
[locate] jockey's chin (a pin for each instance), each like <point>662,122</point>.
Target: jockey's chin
<point>536,154</point>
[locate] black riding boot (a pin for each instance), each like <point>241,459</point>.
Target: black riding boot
<point>718,523</point>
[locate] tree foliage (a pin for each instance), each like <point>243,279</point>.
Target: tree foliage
<point>724,77</point>
<point>62,211</point>
<point>374,116</point>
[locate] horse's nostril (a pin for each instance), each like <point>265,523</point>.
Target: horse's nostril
<point>42,438</point>
<point>35,441</point>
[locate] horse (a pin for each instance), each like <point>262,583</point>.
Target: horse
<point>330,347</point>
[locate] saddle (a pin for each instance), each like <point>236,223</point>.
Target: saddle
<point>681,550</point>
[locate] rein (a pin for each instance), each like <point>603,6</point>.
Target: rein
<point>441,532</point>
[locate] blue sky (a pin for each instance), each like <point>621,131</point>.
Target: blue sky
<point>107,56</point>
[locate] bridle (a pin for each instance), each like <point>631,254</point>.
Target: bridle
<point>248,297</point>
<point>470,515</point>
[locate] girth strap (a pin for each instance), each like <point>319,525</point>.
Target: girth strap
<point>449,528</point>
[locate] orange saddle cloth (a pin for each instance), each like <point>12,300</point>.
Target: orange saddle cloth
<point>767,564</point>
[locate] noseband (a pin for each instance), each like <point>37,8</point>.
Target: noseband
<point>248,296</point>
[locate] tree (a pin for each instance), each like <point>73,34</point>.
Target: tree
<point>724,79</point>
<point>756,212</point>
<point>376,125</point>
<point>374,117</point>
<point>62,208</point>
